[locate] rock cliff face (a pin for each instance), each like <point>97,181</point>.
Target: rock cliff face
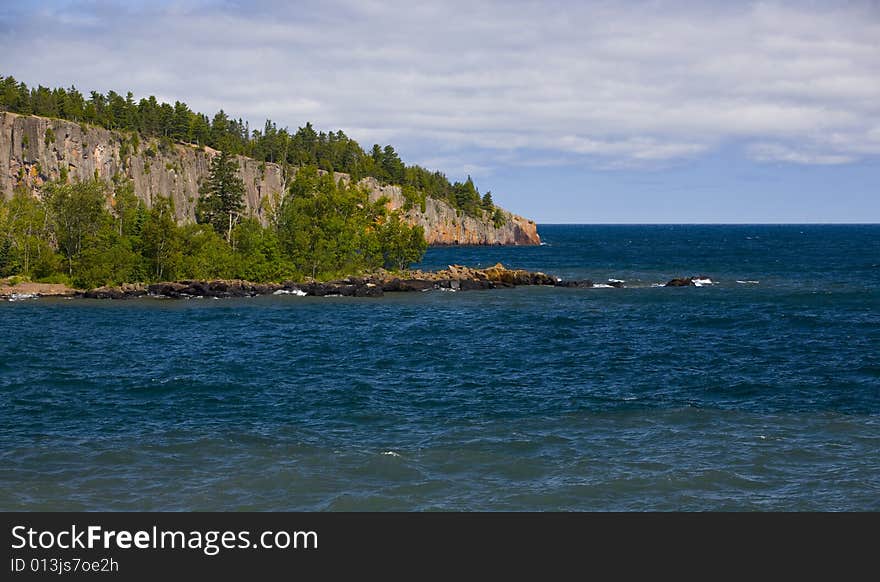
<point>34,150</point>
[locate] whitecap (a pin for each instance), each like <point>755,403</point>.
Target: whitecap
<point>616,281</point>
<point>602,286</point>
<point>22,296</point>
<point>700,282</point>
<point>391,453</point>
<point>297,292</point>
<point>747,282</point>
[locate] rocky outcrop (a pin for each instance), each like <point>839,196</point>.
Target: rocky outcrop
<point>444,225</point>
<point>453,278</point>
<point>35,149</point>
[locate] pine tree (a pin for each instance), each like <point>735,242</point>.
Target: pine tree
<point>222,200</point>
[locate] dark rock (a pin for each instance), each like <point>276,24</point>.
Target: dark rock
<point>166,289</point>
<point>681,282</point>
<point>104,294</point>
<point>473,285</point>
<point>416,285</point>
<point>584,284</point>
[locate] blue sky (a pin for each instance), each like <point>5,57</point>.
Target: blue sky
<point>568,112</point>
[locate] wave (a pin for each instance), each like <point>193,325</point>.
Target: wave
<point>297,292</point>
<point>701,281</point>
<point>747,282</point>
<point>616,281</point>
<point>23,296</point>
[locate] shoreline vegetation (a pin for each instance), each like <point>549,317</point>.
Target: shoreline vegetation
<point>86,235</point>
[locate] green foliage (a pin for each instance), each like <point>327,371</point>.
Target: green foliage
<point>204,253</point>
<point>327,228</point>
<point>222,196</point>
<point>160,242</point>
<point>89,235</point>
<point>499,218</point>
<point>50,137</point>
<point>108,260</point>
<point>413,198</point>
<point>78,213</point>
<point>400,243</point>
<point>25,235</point>
<point>258,251</point>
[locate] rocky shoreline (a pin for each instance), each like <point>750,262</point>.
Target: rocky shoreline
<point>453,278</point>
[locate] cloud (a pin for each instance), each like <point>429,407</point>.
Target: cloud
<point>601,83</point>
<point>771,152</point>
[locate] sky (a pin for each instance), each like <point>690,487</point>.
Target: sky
<point>568,112</point>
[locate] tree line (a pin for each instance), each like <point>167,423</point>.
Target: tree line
<point>329,151</point>
<point>90,234</point>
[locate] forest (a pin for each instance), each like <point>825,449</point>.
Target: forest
<point>91,234</point>
<point>330,151</point>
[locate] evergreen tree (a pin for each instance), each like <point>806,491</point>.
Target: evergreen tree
<point>222,196</point>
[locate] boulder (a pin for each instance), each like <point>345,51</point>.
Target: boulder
<point>681,282</point>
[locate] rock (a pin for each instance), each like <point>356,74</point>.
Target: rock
<point>681,282</point>
<point>475,284</point>
<point>584,284</point>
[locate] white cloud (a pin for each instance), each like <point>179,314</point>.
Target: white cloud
<point>602,83</point>
<point>773,152</point>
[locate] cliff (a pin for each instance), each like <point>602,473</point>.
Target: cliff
<point>34,150</point>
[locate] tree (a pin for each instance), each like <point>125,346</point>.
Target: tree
<point>77,212</point>
<point>128,210</point>
<point>258,252</point>
<point>401,243</point>
<point>204,253</point>
<point>222,196</point>
<point>487,202</point>
<point>160,241</point>
<point>25,237</point>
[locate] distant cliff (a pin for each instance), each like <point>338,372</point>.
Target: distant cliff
<point>34,150</point>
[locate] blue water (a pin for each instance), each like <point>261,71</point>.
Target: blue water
<point>732,396</point>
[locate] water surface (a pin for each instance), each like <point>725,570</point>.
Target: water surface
<point>761,391</point>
